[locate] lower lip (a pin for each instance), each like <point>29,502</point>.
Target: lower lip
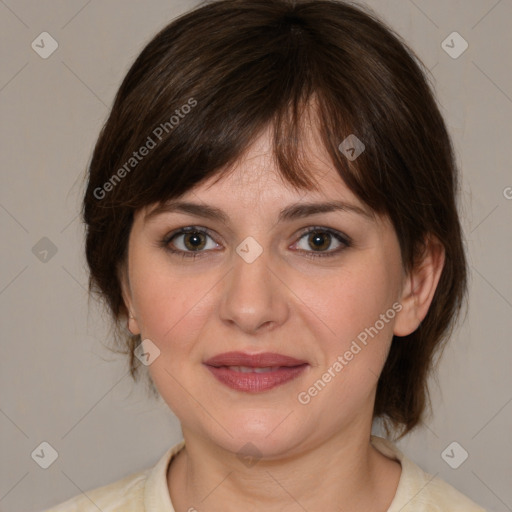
<point>255,382</point>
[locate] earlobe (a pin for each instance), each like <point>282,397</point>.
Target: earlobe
<point>419,287</point>
<point>133,325</point>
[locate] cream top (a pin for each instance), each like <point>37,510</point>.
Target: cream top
<point>147,491</point>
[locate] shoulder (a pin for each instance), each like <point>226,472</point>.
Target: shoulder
<point>442,497</point>
<point>144,491</point>
<point>126,494</point>
<point>419,491</point>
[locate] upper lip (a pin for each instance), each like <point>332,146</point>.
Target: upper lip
<point>262,360</point>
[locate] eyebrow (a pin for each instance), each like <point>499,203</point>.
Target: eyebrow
<point>292,212</point>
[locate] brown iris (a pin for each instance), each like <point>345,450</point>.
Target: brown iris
<point>194,241</point>
<point>315,239</point>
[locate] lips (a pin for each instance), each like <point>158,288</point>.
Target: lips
<point>254,372</point>
<point>263,360</point>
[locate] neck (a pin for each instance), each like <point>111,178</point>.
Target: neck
<point>349,471</point>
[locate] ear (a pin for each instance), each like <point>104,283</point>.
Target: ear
<point>419,287</point>
<point>133,325</point>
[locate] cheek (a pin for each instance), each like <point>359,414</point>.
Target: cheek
<point>355,345</point>
<point>171,304</point>
<point>167,306</point>
<point>172,310</point>
<point>350,302</point>
<point>353,342</point>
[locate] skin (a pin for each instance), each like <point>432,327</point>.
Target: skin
<point>284,302</point>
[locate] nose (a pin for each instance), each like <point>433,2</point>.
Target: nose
<point>254,299</point>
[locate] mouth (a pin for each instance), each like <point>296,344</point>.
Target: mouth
<point>254,373</point>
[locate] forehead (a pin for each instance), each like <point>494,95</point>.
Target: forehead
<point>255,177</point>
<point>224,206</point>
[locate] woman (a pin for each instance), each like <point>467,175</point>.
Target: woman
<point>267,218</point>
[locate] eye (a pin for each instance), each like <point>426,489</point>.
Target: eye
<point>193,241</point>
<point>319,240</point>
<point>189,241</point>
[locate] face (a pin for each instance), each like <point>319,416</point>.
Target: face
<point>322,288</point>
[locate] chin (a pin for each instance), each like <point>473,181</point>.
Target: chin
<point>264,433</point>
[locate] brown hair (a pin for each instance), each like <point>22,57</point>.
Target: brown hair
<point>210,82</point>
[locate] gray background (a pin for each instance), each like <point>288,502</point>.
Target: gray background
<point>59,383</point>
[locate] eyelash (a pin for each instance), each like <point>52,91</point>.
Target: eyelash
<point>345,240</point>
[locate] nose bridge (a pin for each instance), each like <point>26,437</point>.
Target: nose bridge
<point>252,297</point>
